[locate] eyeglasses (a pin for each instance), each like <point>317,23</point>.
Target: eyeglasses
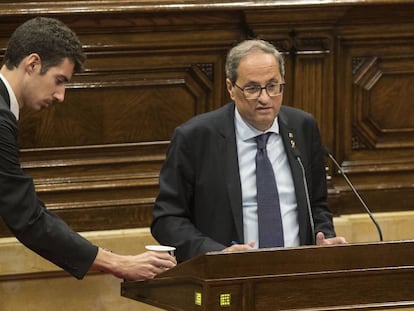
<point>254,91</point>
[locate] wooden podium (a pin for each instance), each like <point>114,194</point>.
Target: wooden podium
<point>343,277</point>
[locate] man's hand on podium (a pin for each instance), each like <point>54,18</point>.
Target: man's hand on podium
<point>239,247</point>
<point>320,240</point>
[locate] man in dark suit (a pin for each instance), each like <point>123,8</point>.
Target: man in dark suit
<point>41,57</point>
<point>208,197</point>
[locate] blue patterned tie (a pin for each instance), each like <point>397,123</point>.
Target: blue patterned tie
<point>268,206</point>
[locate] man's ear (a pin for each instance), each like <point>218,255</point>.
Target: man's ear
<point>230,88</point>
<point>32,63</point>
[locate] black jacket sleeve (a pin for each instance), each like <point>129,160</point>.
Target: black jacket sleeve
<point>26,216</point>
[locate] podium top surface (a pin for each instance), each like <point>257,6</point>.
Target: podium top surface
<point>350,276</point>
<point>304,259</point>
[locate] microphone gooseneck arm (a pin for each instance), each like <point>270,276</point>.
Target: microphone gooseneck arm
<point>348,181</point>
<point>305,184</point>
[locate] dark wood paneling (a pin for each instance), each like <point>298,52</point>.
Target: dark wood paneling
<point>151,66</point>
<point>374,139</point>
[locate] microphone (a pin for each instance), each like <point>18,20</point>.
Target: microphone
<point>296,154</point>
<point>341,171</point>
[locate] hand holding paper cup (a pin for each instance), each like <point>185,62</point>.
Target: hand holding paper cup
<point>161,248</point>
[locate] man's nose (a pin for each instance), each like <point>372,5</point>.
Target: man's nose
<point>263,95</point>
<point>60,94</point>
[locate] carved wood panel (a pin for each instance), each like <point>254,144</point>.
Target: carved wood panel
<point>96,157</point>
<point>375,112</point>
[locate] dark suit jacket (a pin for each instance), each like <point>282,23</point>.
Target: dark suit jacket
<point>26,216</point>
<point>199,205</point>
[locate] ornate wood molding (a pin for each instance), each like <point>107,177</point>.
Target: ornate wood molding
<point>152,65</point>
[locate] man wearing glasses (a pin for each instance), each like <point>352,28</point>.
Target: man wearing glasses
<point>250,174</point>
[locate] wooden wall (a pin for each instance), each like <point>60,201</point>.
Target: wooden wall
<point>152,65</point>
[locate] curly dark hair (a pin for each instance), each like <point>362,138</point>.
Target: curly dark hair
<point>51,39</point>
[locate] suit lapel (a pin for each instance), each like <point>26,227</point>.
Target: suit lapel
<point>228,149</point>
<point>289,133</point>
<point>4,93</point>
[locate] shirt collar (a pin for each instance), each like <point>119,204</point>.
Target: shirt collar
<point>245,131</point>
<point>14,106</point>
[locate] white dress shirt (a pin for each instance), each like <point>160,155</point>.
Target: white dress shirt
<point>14,106</point>
<point>246,150</point>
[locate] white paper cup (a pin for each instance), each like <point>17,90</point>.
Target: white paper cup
<point>161,248</point>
